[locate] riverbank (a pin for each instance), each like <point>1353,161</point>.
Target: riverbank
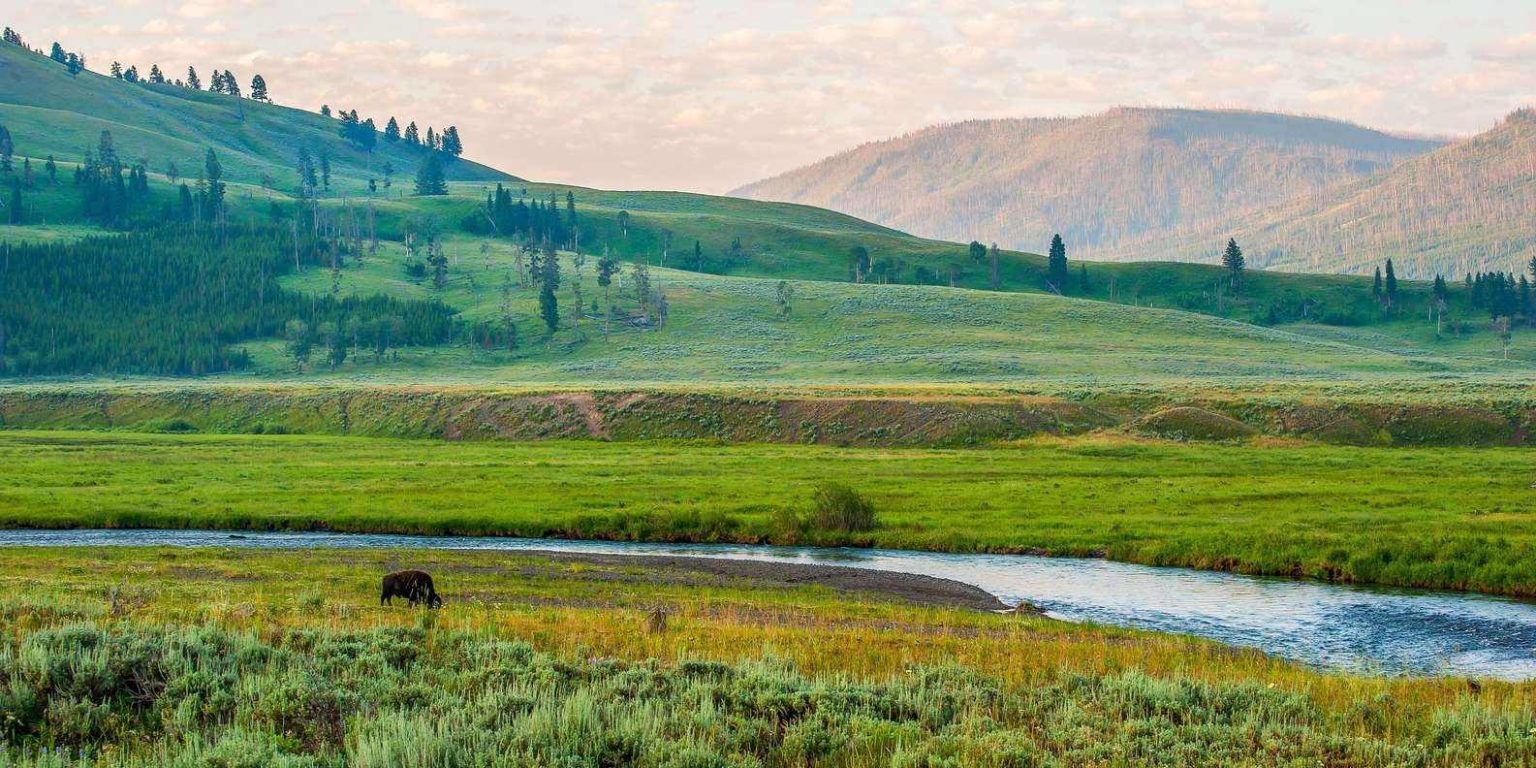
<point>1457,412</point>
<point>541,660</point>
<point>1444,518</point>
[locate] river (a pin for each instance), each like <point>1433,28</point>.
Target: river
<point>1379,631</point>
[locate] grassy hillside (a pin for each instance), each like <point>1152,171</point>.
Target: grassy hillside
<point>729,329</point>
<point>1463,208</point>
<point>1098,180</point>
<point>50,112</point>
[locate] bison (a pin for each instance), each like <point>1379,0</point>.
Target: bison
<point>415,586</point>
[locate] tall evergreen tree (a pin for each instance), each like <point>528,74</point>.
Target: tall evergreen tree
<point>1056,264</point>
<point>213,174</point>
<point>13,211</point>
<point>412,135</point>
<point>429,176</point>
<point>57,54</point>
<point>192,80</point>
<point>977,251</point>
<point>1234,262</point>
<point>155,75</point>
<point>116,69</point>
<point>1391,284</point>
<point>231,85</point>
<point>259,89</point>
<point>53,170</point>
<point>1376,285</point>
<point>7,149</point>
<point>391,130</point>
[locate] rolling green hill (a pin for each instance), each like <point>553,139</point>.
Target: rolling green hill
<point>50,112</point>
<point>720,260</point>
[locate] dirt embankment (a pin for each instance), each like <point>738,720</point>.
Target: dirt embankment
<point>940,421</point>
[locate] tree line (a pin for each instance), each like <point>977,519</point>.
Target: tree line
<point>179,300</point>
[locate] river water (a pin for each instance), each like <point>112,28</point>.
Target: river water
<point>1394,632</point>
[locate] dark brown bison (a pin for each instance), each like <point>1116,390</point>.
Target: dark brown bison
<point>415,586</point>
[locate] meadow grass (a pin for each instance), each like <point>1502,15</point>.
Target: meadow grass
<point>245,658</point>
<point>1456,518</point>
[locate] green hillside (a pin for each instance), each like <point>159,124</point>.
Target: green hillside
<point>51,112</point>
<point>928,311</point>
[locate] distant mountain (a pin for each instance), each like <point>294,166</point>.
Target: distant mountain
<point>51,112</point>
<point>1101,181</point>
<point>1469,206</point>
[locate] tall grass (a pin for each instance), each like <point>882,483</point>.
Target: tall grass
<point>92,694</point>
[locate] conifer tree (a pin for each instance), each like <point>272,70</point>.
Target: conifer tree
<point>1056,264</point>
<point>1376,285</point>
<point>155,75</point>
<point>1233,260</point>
<point>1391,284</point>
<point>429,176</point>
<point>259,89</point>
<point>391,130</point>
<point>412,135</point>
<point>53,170</point>
<point>7,149</point>
<point>117,70</point>
<point>977,251</point>
<point>57,54</point>
<point>13,211</point>
<point>192,80</point>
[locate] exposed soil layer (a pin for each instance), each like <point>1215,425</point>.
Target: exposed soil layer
<point>936,421</point>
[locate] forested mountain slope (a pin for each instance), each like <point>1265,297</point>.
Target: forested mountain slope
<point>1100,180</point>
<point>1467,207</point>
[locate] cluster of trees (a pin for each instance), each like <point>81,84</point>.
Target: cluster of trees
<point>536,221</point>
<point>364,133</point>
<point>178,300</point>
<point>1503,294</point>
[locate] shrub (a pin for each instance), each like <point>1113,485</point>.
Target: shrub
<point>840,508</point>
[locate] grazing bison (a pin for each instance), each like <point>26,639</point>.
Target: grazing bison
<point>415,586</point>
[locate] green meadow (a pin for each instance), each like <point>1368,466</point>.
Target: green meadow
<point>164,657</point>
<point>1457,518</point>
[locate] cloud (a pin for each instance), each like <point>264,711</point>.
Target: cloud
<point>1514,48</point>
<point>1394,48</point>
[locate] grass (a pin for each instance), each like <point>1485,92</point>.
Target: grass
<point>728,329</point>
<point>175,657</point>
<point>1447,517</point>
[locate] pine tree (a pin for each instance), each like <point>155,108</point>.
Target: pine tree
<point>259,89</point>
<point>995,274</point>
<point>977,251</point>
<point>53,170</point>
<point>213,174</point>
<point>57,54</point>
<point>450,141</point>
<point>412,136</point>
<point>117,70</point>
<point>1056,264</point>
<point>192,80</point>
<point>155,75</point>
<point>7,149</point>
<point>1391,284</point>
<point>231,85</point>
<point>13,211</point>
<point>131,74</point>
<point>429,176</point>
<point>1233,260</point>
<point>391,130</point>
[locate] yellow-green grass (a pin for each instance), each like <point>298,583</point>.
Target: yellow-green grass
<point>123,654</point>
<point>729,329</point>
<point>1446,517</point>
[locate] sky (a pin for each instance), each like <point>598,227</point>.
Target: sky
<point>706,95</point>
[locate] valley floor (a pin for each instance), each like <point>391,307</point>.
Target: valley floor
<point>203,657</point>
<point>1445,517</point>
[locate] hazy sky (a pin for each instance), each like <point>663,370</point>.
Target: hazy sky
<point>707,95</point>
